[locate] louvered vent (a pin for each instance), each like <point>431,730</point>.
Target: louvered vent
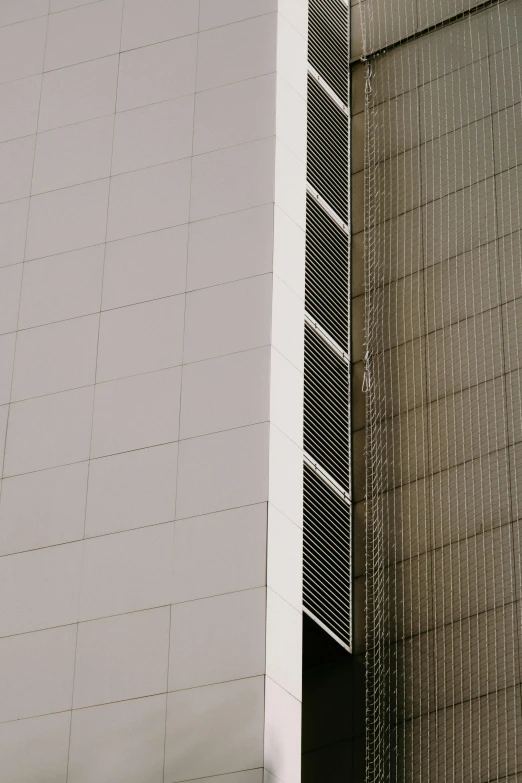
<point>327,290</point>
<point>327,469</point>
<point>326,421</point>
<point>327,557</point>
<point>327,43</point>
<point>327,166</point>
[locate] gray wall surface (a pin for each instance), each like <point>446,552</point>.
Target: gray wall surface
<point>152,189</point>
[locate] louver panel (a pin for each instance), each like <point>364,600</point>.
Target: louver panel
<point>327,551</point>
<point>328,43</point>
<point>327,167</point>
<point>326,412</point>
<point>327,287</point>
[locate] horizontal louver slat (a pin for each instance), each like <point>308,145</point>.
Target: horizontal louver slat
<point>327,286</point>
<point>327,556</point>
<point>328,43</point>
<point>327,164</point>
<point>326,403</point>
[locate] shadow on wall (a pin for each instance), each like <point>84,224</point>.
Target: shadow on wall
<point>333,744</point>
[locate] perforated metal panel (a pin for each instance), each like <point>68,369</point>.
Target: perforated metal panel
<point>328,43</point>
<point>327,557</point>
<point>327,165</point>
<point>327,290</point>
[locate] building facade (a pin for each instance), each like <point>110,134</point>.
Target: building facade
<point>153,209</point>
<point>260,391</point>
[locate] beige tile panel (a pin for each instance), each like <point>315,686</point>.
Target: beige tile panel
<point>463,286</point>
<point>230,247</point>
<point>504,25</point>
<point>464,354</point>
<point>131,490</point>
<point>146,22</point>
<point>72,155</point>
<point>400,73</point>
<point>506,81</point>
<point>149,199</point>
<point>514,406</point>
<point>22,49</point>
<point>214,729</point>
<point>479,575</point>
<point>40,589</point>
<point>7,352</point>
<point>16,159</point>
<point>123,657</point>
<point>460,222</point>
<point>512,334</point>
<point>55,358</point>
<point>67,219</point>
<point>404,381</point>
<point>466,89</point>
<point>508,188</point>
<point>237,51</point>
<point>141,338</point>
<point>61,287</point>
<point>478,742</point>
<point>232,179</point>
<point>231,626</point>
<point>412,676</point>
<point>85,33</point>
<point>145,267</point>
<point>409,513</point>
<point>479,655</point>
<point>460,430</point>
<point>48,739</point>
<point>13,224</point>
<point>461,506</point>
<point>37,672</point>
<point>507,135</point>
<point>231,547</point>
<point>224,470</point>
<point>43,509</point>
<point>78,93</point>
<point>136,412</point>
<point>157,73</point>
<point>151,135</point>
<point>118,742</point>
<point>457,160</point>
<point>127,572</point>
<point>215,13</point>
<point>19,107</point>
<point>225,392</point>
<point>20,10</point>
<point>235,114</point>
<point>228,318</point>
<point>396,124</point>
<point>400,442</point>
<point>400,185</point>
<point>407,591</point>
<point>49,431</point>
<point>403,316</point>
<point>452,47</point>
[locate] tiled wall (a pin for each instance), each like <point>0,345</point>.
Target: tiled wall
<point>446,112</point>
<point>151,355</point>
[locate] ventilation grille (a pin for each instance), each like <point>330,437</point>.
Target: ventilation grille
<point>328,43</point>
<point>326,400</point>
<point>327,550</point>
<point>327,169</point>
<point>327,289</point>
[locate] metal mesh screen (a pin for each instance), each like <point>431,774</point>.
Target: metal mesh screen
<point>443,380</point>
